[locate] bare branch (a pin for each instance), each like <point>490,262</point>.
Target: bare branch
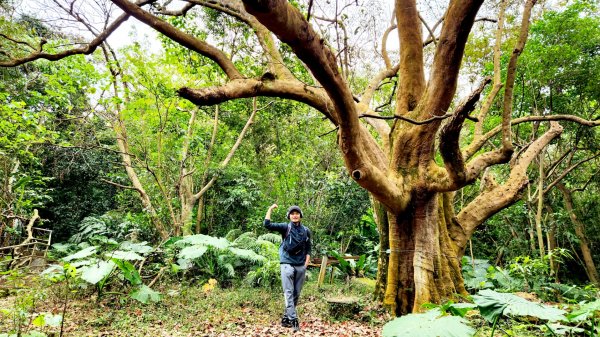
<point>411,70</point>
<point>431,33</point>
<point>384,53</point>
<point>486,20</point>
<point>367,96</point>
<point>265,38</point>
<point>567,171</point>
<point>497,82</point>
<point>119,185</point>
<point>448,56</point>
<point>184,39</point>
<point>25,43</point>
<point>180,12</point>
<point>86,49</point>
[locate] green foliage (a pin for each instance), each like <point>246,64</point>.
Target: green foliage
<point>354,268</point>
<point>37,104</point>
<point>494,305</point>
<point>476,273</point>
<point>75,189</point>
<point>108,226</point>
<point>266,275</point>
<point>145,295</point>
<point>97,272</point>
<point>271,237</point>
<point>22,313</point>
<point>449,307</point>
<point>569,293</point>
<point>205,257</point>
<point>429,324</point>
<point>535,272</point>
<point>102,268</point>
<point>586,310</point>
<point>233,234</point>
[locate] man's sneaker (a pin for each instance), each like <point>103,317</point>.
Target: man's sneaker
<point>285,322</point>
<point>295,325</point>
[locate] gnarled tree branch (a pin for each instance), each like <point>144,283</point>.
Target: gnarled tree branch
<point>450,146</point>
<point>490,201</point>
<point>476,145</point>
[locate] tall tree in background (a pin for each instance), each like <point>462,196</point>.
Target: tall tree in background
<point>412,158</point>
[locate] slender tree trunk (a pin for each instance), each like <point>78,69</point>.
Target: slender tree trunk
<point>200,215</point>
<point>381,219</point>
<point>551,241</point>
<point>531,227</point>
<point>579,227</point>
<point>121,134</point>
<point>540,206</point>
<point>207,160</point>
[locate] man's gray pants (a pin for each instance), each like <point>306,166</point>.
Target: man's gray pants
<point>292,280</point>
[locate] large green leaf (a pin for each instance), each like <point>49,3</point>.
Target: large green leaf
<point>138,247</point>
<point>584,311</point>
<point>428,324</point>
<point>192,252</point>
<point>62,247</point>
<point>124,255</point>
<point>129,272</point>
<point>461,309</point>
<point>493,304</point>
<point>564,329</point>
<point>201,239</point>
<point>86,252</point>
<point>145,294</point>
<point>96,272</point>
<point>47,319</point>
<point>247,254</point>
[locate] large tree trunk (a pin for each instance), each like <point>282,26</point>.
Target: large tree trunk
<point>424,262</point>
<point>427,240</point>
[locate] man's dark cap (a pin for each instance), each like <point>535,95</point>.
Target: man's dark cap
<point>293,208</point>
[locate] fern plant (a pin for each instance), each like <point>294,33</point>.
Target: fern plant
<point>233,234</point>
<point>89,227</point>
<point>271,237</point>
<point>207,257</point>
<point>266,275</point>
<point>109,227</point>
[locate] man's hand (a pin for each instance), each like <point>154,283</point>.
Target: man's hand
<point>268,215</point>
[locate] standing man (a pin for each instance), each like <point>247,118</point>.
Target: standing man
<point>294,256</point>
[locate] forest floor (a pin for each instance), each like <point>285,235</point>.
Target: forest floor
<point>191,311</point>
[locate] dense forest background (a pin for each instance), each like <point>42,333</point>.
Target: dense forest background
<point>106,151</point>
